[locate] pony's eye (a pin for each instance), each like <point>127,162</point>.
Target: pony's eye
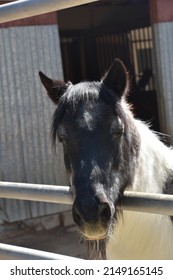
<point>62,134</point>
<point>117,134</point>
<point>120,130</point>
<point>62,138</point>
<point>117,129</point>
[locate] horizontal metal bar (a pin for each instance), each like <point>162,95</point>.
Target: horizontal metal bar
<point>28,8</point>
<point>11,252</point>
<point>148,202</point>
<point>36,192</point>
<point>133,201</point>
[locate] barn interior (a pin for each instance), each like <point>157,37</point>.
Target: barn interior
<point>93,35</point>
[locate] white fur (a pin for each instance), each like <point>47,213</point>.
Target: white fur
<point>141,235</point>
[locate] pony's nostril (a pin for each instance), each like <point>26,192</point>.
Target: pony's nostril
<point>105,212</point>
<point>77,217</point>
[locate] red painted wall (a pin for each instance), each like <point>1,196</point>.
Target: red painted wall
<point>161,10</point>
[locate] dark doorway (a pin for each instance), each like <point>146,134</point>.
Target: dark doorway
<point>89,49</point>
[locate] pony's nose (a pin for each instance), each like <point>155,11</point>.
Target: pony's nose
<point>91,213</point>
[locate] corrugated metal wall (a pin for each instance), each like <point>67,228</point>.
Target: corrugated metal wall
<point>25,115</point>
<point>163,58</point>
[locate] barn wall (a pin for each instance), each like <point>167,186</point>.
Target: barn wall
<point>25,115</point>
<point>163,39</point>
<point>162,25</point>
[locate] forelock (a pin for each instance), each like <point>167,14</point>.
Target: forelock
<point>84,91</point>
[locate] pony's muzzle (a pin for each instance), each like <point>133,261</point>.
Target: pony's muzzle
<point>92,218</point>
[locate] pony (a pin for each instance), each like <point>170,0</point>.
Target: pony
<point>107,151</point>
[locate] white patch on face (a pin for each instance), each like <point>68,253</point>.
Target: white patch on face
<point>90,116</point>
<point>82,164</point>
<point>72,187</point>
<point>89,120</point>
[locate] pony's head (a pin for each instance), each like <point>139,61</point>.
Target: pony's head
<point>96,129</point>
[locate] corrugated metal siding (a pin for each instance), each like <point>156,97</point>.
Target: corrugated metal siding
<point>25,115</point>
<point>163,58</point>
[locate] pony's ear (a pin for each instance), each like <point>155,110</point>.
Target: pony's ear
<point>55,88</point>
<point>116,78</point>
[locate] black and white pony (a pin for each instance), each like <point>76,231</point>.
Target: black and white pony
<point>108,151</point>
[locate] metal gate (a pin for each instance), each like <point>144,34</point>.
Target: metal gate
<point>133,201</point>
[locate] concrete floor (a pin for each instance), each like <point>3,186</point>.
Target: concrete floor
<point>61,240</point>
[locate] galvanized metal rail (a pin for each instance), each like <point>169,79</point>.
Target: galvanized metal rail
<point>36,192</point>
<point>28,8</point>
<point>11,252</point>
<point>133,201</point>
